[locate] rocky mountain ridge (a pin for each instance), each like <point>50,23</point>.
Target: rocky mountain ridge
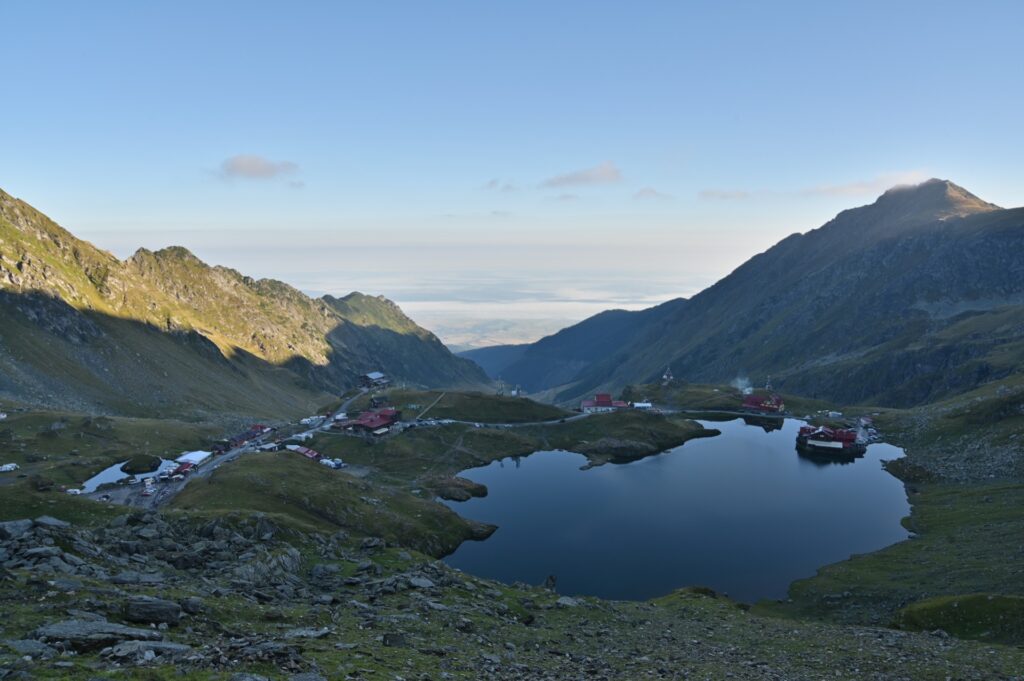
<point>913,298</point>
<point>58,291</point>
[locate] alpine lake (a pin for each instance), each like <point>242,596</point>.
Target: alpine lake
<point>742,513</point>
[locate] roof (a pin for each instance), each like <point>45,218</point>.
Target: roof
<point>196,457</point>
<point>305,451</point>
<point>374,375</point>
<point>606,404</point>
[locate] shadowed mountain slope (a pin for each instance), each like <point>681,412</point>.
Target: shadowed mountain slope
<point>264,338</point>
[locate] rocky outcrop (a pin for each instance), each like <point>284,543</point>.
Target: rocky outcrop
<point>91,635</point>
<point>147,610</point>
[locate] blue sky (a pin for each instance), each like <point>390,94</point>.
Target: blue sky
<point>502,160</point>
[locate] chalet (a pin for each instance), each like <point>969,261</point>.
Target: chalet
<point>374,379</point>
<point>765,403</point>
<point>375,421</point>
<point>601,403</point>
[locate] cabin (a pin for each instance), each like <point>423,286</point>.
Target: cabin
<point>374,421</point>
<point>602,403</point>
<point>310,454</point>
<point>374,379</point>
<point>764,403</point>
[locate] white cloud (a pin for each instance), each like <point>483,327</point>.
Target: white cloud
<point>253,167</point>
<point>496,185</point>
<point>724,194</point>
<point>871,187</point>
<point>648,193</point>
<point>564,198</point>
<point>602,173</point>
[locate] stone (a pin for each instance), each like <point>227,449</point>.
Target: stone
<point>567,602</point>
<point>307,676</point>
<point>12,529</point>
<point>147,650</point>
<point>393,640</point>
<point>87,635</point>
<point>50,522</point>
<point>308,632</point>
<point>135,577</point>
<point>421,583</point>
<point>324,571</point>
<point>145,610</point>
<point>372,543</point>
<point>193,605</point>
<point>240,676</point>
<point>35,649</point>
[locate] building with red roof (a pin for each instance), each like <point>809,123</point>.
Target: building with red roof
<point>372,421</point>
<point>601,403</point>
<point>770,403</point>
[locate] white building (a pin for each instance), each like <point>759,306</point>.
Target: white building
<point>195,458</point>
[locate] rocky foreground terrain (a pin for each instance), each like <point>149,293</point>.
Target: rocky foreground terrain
<point>154,596</point>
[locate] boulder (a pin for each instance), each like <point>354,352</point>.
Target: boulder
<point>193,605</point>
<point>147,650</point>
<point>324,571</point>
<point>308,632</point>
<point>12,529</point>
<point>145,610</point>
<point>87,635</point>
<point>50,522</point>
<point>35,649</point>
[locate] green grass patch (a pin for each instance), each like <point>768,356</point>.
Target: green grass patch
<point>306,496</point>
<point>987,617</point>
<point>21,501</point>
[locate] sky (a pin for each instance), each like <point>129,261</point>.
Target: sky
<point>498,169</point>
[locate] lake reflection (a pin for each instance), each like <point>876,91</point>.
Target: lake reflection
<point>741,513</point>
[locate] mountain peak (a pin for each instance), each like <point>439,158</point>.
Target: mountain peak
<point>934,198</point>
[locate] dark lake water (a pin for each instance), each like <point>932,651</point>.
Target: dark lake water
<point>742,513</point>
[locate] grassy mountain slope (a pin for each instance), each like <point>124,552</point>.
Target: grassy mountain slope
<point>164,332</point>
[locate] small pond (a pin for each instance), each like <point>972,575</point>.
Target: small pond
<point>742,513</point>
<point>114,474</point>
